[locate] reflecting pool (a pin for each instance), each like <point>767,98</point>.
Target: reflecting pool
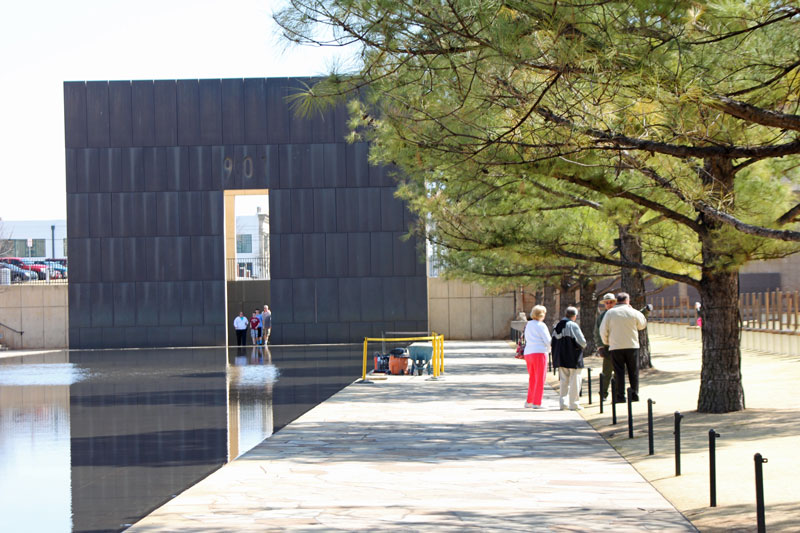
<point>93,440</point>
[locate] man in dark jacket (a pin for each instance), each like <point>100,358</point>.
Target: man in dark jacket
<point>567,344</point>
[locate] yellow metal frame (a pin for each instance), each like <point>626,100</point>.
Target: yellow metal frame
<point>437,358</point>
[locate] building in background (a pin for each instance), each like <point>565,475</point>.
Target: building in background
<point>153,172</point>
<point>36,239</point>
<point>252,246</point>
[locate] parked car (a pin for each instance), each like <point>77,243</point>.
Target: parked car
<point>38,271</point>
<point>56,270</point>
<point>18,274</point>
<point>59,267</point>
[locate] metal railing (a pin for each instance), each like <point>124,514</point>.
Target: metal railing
<point>18,332</point>
<point>47,281</point>
<point>251,268</point>
<point>765,311</point>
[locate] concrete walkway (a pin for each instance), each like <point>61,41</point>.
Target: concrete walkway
<point>408,454</point>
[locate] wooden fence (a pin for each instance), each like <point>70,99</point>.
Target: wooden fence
<point>766,311</point>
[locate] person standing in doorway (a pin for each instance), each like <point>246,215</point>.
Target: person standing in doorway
<point>620,331</point>
<point>537,346</point>
<point>568,344</point>
<point>608,301</point>
<point>266,323</point>
<point>254,329</point>
<point>240,325</point>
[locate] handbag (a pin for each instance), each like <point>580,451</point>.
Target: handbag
<point>520,350</point>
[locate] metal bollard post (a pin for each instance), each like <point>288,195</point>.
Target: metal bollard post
<point>630,414</point>
<point>762,524</point>
<point>712,465</point>
<point>613,401</point>
<point>589,374</point>
<point>650,426</point>
<point>677,433</point>
<point>602,377</point>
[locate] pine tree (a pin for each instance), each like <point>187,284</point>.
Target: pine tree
<point>678,118</point>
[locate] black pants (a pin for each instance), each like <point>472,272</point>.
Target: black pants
<point>629,358</point>
<point>240,336</point>
<point>608,369</point>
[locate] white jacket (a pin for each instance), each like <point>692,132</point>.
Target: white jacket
<point>620,327</point>
<point>537,337</point>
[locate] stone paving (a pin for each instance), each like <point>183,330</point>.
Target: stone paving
<point>409,454</point>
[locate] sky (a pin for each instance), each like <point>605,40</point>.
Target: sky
<point>43,44</point>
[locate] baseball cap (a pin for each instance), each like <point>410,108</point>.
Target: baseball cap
<point>608,296</point>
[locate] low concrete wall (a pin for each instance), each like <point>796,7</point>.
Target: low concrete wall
<point>762,341</point>
<point>464,311</point>
<point>40,311</point>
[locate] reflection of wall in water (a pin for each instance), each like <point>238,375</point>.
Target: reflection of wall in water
<point>34,452</point>
<point>310,375</point>
<point>147,424</point>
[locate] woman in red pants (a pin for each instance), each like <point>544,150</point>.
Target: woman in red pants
<point>537,346</point>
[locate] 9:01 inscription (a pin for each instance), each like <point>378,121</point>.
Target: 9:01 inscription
<point>228,167</point>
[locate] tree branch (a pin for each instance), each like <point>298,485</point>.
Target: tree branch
<point>757,115</point>
<point>619,141</point>
<point>790,215</point>
<point>750,229</point>
<point>628,264</point>
<point>790,14</point>
<point>650,204</point>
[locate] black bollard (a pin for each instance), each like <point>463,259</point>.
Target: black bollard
<point>602,377</point>
<point>712,465</point>
<point>589,374</point>
<point>650,426</point>
<point>613,401</point>
<point>630,414</point>
<point>677,433</point>
<point>762,524</point>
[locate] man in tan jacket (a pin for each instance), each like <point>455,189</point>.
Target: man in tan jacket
<point>620,331</point>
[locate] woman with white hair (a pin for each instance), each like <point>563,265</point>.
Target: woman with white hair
<point>537,346</point>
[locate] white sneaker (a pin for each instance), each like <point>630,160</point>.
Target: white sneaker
<point>564,407</point>
<point>528,405</point>
<point>576,408</point>
<point>538,407</point>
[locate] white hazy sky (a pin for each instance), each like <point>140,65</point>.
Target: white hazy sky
<point>43,44</point>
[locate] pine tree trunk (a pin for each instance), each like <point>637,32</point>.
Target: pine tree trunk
<point>549,301</point>
<point>564,299</point>
<point>632,282</point>
<point>588,312</point>
<point>721,376</point>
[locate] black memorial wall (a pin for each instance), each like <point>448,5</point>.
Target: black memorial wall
<point>147,163</point>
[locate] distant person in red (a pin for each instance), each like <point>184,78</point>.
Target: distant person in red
<point>255,330</point>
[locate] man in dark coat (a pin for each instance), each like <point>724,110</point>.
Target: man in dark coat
<point>567,344</point>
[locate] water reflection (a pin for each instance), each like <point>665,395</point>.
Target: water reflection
<point>100,438</point>
<point>34,445</point>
